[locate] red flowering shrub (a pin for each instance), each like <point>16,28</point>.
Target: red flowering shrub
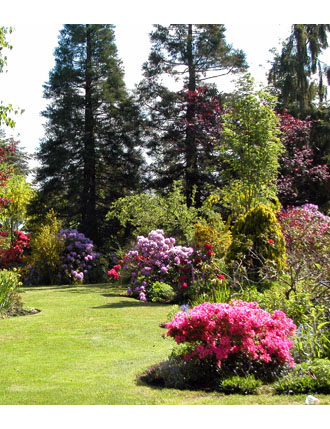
<point>221,331</point>
<point>14,254</point>
<point>114,272</point>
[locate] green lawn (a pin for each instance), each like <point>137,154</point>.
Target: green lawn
<point>87,345</point>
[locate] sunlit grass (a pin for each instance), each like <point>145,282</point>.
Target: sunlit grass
<point>87,345</point>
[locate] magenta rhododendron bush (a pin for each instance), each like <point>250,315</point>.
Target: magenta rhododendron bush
<point>222,330</point>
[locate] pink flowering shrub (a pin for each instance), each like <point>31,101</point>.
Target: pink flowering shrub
<point>307,237</point>
<point>220,331</point>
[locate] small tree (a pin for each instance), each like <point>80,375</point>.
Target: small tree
<point>19,193</point>
<point>47,247</point>
<point>145,212</point>
<point>250,147</point>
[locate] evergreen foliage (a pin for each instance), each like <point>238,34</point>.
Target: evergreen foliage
<point>179,133</point>
<point>92,130</point>
<point>258,241</point>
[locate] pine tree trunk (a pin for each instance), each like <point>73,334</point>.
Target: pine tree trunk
<point>89,226</point>
<point>190,140</point>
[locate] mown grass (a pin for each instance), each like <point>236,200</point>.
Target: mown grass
<point>87,345</point>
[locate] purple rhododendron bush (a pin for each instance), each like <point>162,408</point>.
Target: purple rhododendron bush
<point>78,256</point>
<point>223,330</point>
<point>157,258</point>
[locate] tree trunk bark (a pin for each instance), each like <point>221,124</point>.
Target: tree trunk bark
<point>89,226</point>
<point>191,174</point>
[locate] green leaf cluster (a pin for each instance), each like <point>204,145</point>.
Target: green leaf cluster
<point>146,212</point>
<point>46,248</point>
<point>161,292</point>
<point>307,377</point>
<point>20,193</point>
<point>247,385</point>
<point>249,149</point>
<point>9,282</point>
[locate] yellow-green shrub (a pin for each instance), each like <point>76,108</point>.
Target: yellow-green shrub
<point>46,248</point>
<point>211,228</point>
<point>9,282</point>
<point>257,240</point>
<point>217,235</point>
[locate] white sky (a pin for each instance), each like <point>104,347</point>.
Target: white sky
<point>32,58</point>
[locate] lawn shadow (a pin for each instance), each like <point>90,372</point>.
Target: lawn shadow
<point>76,288</point>
<point>127,303</point>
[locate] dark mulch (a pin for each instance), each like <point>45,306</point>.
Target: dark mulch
<point>19,311</point>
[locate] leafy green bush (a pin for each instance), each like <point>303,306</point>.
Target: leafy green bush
<point>307,377</point>
<point>258,242</point>
<point>9,282</point>
<point>294,384</point>
<point>214,232</point>
<point>242,385</point>
<point>145,212</point>
<point>312,339</point>
<point>43,266</point>
<point>161,292</point>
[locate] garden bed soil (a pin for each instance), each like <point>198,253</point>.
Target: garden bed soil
<point>16,311</point>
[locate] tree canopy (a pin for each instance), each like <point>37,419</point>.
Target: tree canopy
<point>92,131</point>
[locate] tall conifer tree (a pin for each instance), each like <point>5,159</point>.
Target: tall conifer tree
<point>192,53</point>
<point>89,156</point>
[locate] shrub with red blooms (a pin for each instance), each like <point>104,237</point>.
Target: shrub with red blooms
<point>14,254</point>
<point>114,272</point>
<point>221,331</point>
